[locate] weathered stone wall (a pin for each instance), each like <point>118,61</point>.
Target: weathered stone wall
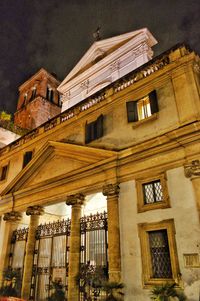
<point>187,233</point>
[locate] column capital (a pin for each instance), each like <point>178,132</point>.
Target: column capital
<point>75,199</point>
<point>12,216</point>
<point>111,190</point>
<point>192,170</point>
<point>35,210</point>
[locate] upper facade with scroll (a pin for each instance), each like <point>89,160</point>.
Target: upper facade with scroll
<point>106,61</point>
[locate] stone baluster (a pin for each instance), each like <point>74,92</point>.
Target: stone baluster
<point>111,191</point>
<point>192,171</point>
<point>34,212</point>
<point>76,201</point>
<point>12,220</point>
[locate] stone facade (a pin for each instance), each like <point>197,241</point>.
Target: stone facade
<point>147,168</point>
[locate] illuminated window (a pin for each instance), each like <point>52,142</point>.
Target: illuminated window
<point>159,253</point>
<point>143,108</point>
<point>33,95</point>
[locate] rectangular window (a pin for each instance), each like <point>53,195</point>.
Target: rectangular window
<point>143,108</point>
<point>33,94</point>
<point>160,256</point>
<point>94,130</point>
<point>152,193</point>
<point>27,158</point>
<point>4,171</point>
<point>159,253</point>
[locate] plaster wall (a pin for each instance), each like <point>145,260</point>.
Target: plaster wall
<point>183,211</point>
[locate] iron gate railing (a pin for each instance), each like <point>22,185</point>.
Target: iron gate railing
<point>17,253</point>
<point>51,256</point>
<point>50,259</point>
<point>94,255</point>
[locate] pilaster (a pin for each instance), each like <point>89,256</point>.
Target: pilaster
<point>34,212</point>
<point>8,225</point>
<point>111,191</point>
<point>76,201</point>
<point>192,171</point>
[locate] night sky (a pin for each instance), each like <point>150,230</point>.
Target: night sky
<point>55,34</point>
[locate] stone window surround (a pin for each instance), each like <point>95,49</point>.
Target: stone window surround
<point>143,229</point>
<point>141,206</point>
<point>1,169</point>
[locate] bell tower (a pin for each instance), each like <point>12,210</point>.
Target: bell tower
<point>38,100</point>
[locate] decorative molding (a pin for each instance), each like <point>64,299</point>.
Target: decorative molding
<point>35,210</point>
<point>85,84</point>
<point>12,216</point>
<point>192,169</point>
<point>111,190</point>
<point>115,65</point>
<point>75,199</point>
<point>196,68</point>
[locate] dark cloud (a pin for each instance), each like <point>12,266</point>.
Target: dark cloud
<point>54,34</point>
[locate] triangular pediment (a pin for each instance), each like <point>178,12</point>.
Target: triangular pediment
<point>58,160</point>
<point>103,48</point>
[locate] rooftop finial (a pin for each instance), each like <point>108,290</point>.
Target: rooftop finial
<point>96,34</point>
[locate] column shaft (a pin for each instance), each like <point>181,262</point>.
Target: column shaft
<point>34,213</point>
<point>10,223</point>
<point>75,244</point>
<point>114,254</point>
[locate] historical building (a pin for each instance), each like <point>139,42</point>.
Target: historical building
<point>38,100</point>
<point>113,181</point>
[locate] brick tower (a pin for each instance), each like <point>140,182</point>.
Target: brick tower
<point>38,100</point>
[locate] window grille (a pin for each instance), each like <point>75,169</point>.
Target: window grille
<point>152,192</point>
<point>160,256</point>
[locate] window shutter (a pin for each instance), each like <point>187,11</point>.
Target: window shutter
<point>27,158</point>
<point>153,102</point>
<point>132,113</point>
<point>99,127</point>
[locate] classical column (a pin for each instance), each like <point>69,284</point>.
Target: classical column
<point>12,220</point>
<point>76,201</point>
<point>192,171</point>
<point>34,212</point>
<point>111,191</point>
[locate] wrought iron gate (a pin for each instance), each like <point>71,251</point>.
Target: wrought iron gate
<point>50,258</point>
<point>17,252</point>
<point>94,255</point>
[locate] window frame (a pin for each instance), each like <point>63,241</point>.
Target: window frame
<point>143,230</point>
<point>23,164</point>
<point>132,108</point>
<point>94,130</point>
<point>1,172</point>
<point>141,205</point>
